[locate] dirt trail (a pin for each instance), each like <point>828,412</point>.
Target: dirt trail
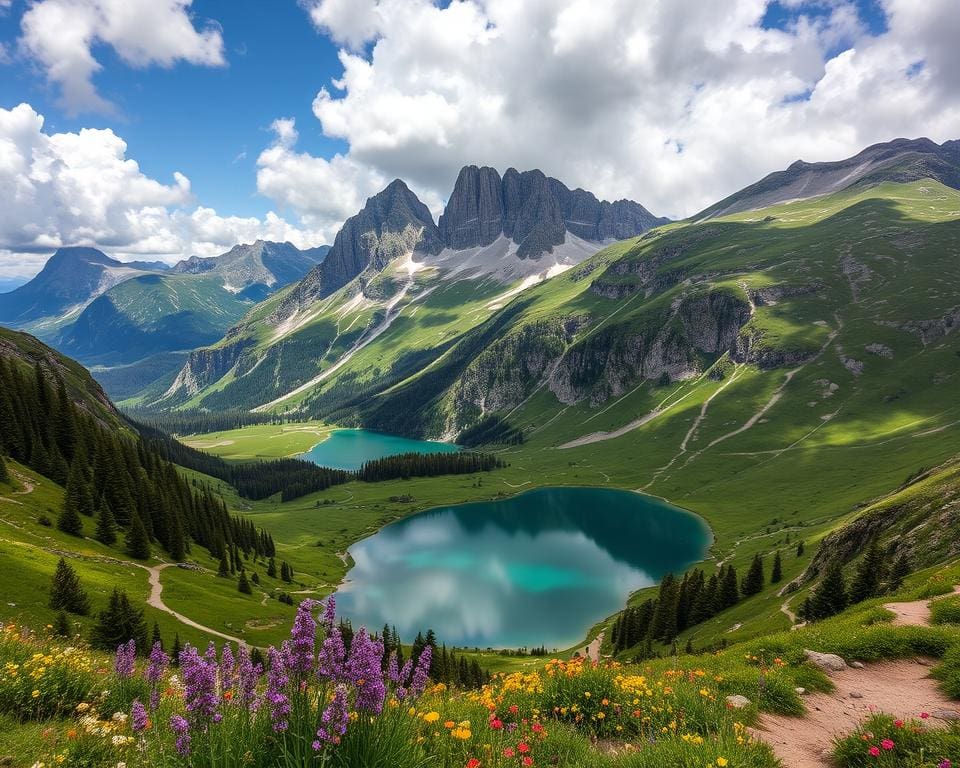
<point>154,599</point>
<point>28,486</point>
<point>902,688</point>
<point>592,649</point>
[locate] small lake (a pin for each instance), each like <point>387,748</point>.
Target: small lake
<point>538,568</point>
<point>350,448</point>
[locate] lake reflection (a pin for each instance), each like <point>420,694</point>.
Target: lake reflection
<point>350,449</point>
<point>539,568</point>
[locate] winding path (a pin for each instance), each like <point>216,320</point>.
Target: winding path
<point>902,688</point>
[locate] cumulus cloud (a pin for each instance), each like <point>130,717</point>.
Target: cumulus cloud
<point>674,103</point>
<point>60,36</point>
<point>82,189</point>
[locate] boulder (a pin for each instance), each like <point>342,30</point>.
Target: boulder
<point>828,662</point>
<point>736,701</point>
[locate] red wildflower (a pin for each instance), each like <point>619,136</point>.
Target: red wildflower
<point>523,747</point>
<point>473,763</point>
<point>887,744</point>
<point>874,751</point>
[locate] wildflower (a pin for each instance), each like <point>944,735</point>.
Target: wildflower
<point>200,683</point>
<point>898,723</point>
<point>496,723</point>
<point>431,717</point>
<point>329,613</point>
<point>461,733</point>
<point>721,761</point>
<point>874,751</point>
<point>420,675</point>
<point>123,663</point>
<point>303,638</point>
<point>156,666</point>
<point>227,666</point>
<point>523,747</point>
<point>275,696</point>
<point>331,656</point>
<point>364,670</point>
<point>181,727</point>
<point>508,752</point>
<point>945,764</point>
<point>473,763</point>
<point>35,694</point>
<point>138,717</point>
<point>526,760</point>
<point>248,674</point>
<point>887,744</point>
<point>334,718</point>
<point>924,715</point>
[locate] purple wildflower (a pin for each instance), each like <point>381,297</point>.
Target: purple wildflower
<point>393,668</point>
<point>159,661</point>
<point>123,664</point>
<point>248,674</point>
<point>303,638</point>
<point>405,671</point>
<point>276,697</point>
<point>200,683</point>
<point>329,613</point>
<point>333,721</point>
<point>419,682</point>
<point>365,670</point>
<point>331,657</point>
<point>228,666</point>
<point>138,716</point>
<point>181,727</point>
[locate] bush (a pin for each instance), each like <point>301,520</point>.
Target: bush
<point>946,611</point>
<point>882,742</point>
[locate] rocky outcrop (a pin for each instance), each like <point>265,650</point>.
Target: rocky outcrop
<point>392,223</point>
<point>612,361</point>
<point>533,210</point>
<point>206,366</point>
<point>929,330</point>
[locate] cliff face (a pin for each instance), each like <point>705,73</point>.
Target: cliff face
<point>206,366</point>
<point>533,210</point>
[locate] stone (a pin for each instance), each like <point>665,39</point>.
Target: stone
<point>946,714</point>
<point>736,701</point>
<point>828,662</point>
<point>856,665</point>
<point>856,695</point>
<point>800,691</point>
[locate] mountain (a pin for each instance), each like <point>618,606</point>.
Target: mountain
<point>534,211</point>
<point>71,278</point>
<point>496,237</point>
<point>900,160</point>
<point>254,271</point>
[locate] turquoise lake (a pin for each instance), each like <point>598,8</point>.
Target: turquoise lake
<point>535,569</point>
<point>350,448</point>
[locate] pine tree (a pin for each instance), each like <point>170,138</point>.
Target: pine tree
<point>175,651</point>
<point>255,578</point>
<point>829,597</point>
<point>137,541</point>
<point>899,571</point>
<point>62,624</point>
<point>4,473</point>
<point>729,589</point>
<point>869,575</point>
<point>155,637</point>
<point>118,623</point>
<point>272,568</point>
<point>777,573</point>
<point>69,519</point>
<point>689,647</point>
<point>753,581</point>
<point>223,571</point>
<point>800,549</point>
<point>664,624</point>
<point>66,594</point>
<point>177,546</point>
<point>106,532</point>
<point>243,585</point>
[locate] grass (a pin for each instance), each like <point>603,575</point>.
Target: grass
<point>261,441</point>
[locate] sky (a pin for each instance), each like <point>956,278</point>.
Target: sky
<point>164,128</point>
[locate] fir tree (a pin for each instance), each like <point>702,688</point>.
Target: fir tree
<point>777,573</point>
<point>106,532</point>
<point>255,578</point>
<point>62,624</point>
<point>689,647</point>
<point>137,541</point>
<point>223,571</point>
<point>69,519</point>
<point>272,568</point>
<point>118,623</point>
<point>729,589</point>
<point>4,474</point>
<point>899,571</point>
<point>869,575</point>
<point>175,651</point>
<point>243,585</point>
<point>830,595</point>
<point>66,594</point>
<point>664,624</point>
<point>155,637</point>
<point>800,549</point>
<point>753,581</point>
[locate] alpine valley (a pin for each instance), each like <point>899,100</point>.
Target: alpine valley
<point>695,461</point>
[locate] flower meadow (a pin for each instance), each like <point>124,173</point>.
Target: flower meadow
<point>320,699</point>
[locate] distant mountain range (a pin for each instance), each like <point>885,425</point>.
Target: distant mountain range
<point>106,312</point>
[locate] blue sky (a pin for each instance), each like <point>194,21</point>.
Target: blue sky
<point>207,122</point>
<point>281,117</point>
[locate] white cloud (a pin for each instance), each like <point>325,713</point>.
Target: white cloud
<point>60,36</point>
<point>82,189</point>
<point>674,103</point>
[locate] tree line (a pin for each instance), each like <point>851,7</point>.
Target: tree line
<point>111,476</point>
<point>406,465</point>
<point>196,422</point>
<point>683,603</point>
